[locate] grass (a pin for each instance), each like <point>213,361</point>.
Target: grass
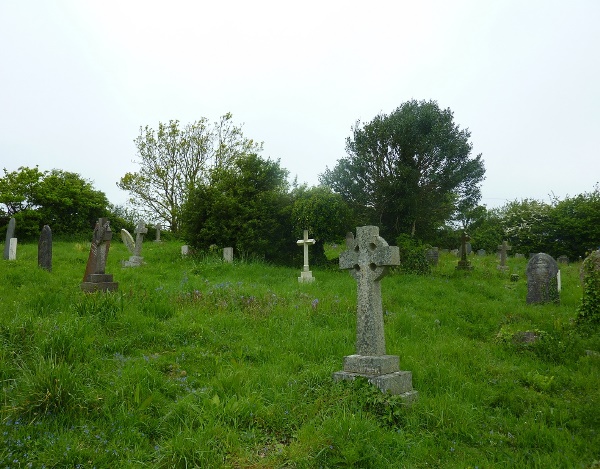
<point>199,363</point>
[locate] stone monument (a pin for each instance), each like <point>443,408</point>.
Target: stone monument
<point>45,249</point>
<point>306,274</point>
<point>367,258</point>
<point>228,254</point>
<point>10,233</point>
<point>158,227</point>
<point>95,278</point>
<point>134,247</point>
<point>502,250</point>
<point>12,249</point>
<point>464,264</point>
<point>542,282</point>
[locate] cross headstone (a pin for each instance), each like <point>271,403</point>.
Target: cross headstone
<point>367,258</point>
<point>228,254</point>
<point>306,274</point>
<point>464,264</point>
<point>140,231</point>
<point>45,249</point>
<point>95,278</point>
<point>134,247</point>
<point>12,249</point>
<point>10,233</point>
<point>158,227</point>
<point>542,281</point>
<point>502,250</point>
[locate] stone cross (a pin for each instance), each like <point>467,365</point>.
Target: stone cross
<point>464,264</point>
<point>95,278</point>
<point>158,227</point>
<point>140,231</point>
<point>45,249</point>
<point>367,259</point>
<point>10,233</point>
<point>504,247</point>
<point>306,274</point>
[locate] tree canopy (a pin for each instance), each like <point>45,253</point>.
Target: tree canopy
<point>175,159</point>
<point>408,171</point>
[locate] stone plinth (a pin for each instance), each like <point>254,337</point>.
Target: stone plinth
<point>99,282</point>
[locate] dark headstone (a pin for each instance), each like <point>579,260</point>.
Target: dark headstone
<point>542,284</point>
<point>10,233</point>
<point>45,249</point>
<point>433,256</point>
<point>464,264</point>
<point>95,278</point>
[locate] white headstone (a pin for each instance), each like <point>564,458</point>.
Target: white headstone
<point>228,254</point>
<point>12,249</point>
<point>306,274</point>
<point>185,250</point>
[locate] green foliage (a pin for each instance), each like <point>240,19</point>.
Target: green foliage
<point>589,310</point>
<point>407,171</point>
<point>413,257</point>
<point>175,160</point>
<point>246,207</point>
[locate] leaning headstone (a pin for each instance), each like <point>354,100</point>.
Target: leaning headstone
<point>45,249</point>
<point>433,256</point>
<point>306,274</point>
<point>367,258</point>
<point>502,250</point>
<point>10,233</point>
<point>158,227</point>
<point>12,249</point>
<point>95,277</point>
<point>228,254</point>
<point>562,259</point>
<point>134,247</point>
<point>542,282</point>
<point>464,264</point>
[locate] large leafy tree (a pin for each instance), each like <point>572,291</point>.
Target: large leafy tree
<point>246,206</point>
<point>408,171</point>
<point>174,159</point>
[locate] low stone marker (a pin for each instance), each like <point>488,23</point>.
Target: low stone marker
<point>464,264</point>
<point>502,250</point>
<point>95,278</point>
<point>10,233</point>
<point>367,258</point>
<point>228,254</point>
<point>542,282</point>
<point>134,247</point>
<point>12,249</point>
<point>45,249</point>
<point>481,252</point>
<point>185,250</point>
<point>306,274</point>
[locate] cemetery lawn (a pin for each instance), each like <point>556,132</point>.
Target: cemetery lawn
<point>199,363</point>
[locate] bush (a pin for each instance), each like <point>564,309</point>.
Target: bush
<point>413,258</point>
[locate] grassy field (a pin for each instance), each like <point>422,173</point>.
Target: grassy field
<point>197,363</point>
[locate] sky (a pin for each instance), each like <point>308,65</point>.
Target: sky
<point>78,79</point>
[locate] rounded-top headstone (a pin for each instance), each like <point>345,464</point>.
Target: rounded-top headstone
<point>542,284</point>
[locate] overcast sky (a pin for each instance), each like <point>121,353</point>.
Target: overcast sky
<point>79,78</point>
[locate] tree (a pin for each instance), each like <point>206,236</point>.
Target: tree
<point>173,160</point>
<point>525,224</point>
<point>17,189</point>
<point>408,171</point>
<point>246,206</point>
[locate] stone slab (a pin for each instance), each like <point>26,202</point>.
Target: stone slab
<point>90,287</point>
<point>398,383</point>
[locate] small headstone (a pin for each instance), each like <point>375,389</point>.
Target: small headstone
<point>45,249</point>
<point>158,227</point>
<point>562,260</point>
<point>454,251</point>
<point>185,250</point>
<point>519,256</point>
<point>228,254</point>
<point>502,250</point>
<point>12,249</point>
<point>542,283</point>
<point>306,274</point>
<point>433,256</point>
<point>464,264</point>
<point>95,277</point>
<point>481,252</point>
<point>10,233</point>
<point>367,259</point>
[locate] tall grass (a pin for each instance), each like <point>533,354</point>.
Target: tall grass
<point>198,363</point>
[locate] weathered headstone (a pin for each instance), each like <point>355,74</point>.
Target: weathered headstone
<point>12,249</point>
<point>45,249</point>
<point>542,283</point>
<point>433,256</point>
<point>228,254</point>
<point>502,250</point>
<point>464,264</point>
<point>158,227</point>
<point>562,259</point>
<point>481,252</point>
<point>134,247</point>
<point>367,258</point>
<point>185,250</point>
<point>306,274</point>
<point>10,233</point>
<point>519,256</point>
<point>95,278</point>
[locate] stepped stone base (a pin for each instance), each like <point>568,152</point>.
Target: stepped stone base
<point>382,371</point>
<point>99,282</point>
<point>134,261</point>
<point>464,265</point>
<point>306,277</point>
